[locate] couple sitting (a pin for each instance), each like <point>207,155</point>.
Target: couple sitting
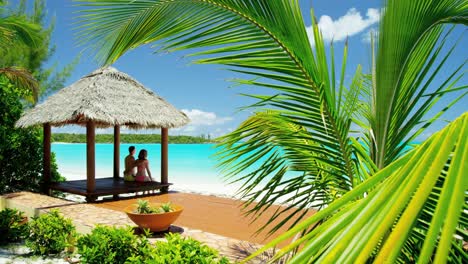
<point>141,165</point>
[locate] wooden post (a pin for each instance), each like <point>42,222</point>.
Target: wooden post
<point>116,151</point>
<point>46,158</point>
<point>90,159</point>
<point>164,153</point>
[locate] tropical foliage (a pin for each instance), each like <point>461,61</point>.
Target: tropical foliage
<point>13,226</point>
<point>302,133</point>
<point>16,30</point>
<point>24,48</point>
<point>34,55</point>
<point>51,233</point>
<point>120,245</point>
<point>20,149</point>
<point>427,223</point>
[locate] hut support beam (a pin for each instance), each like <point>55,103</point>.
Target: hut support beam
<point>116,156</point>
<point>90,160</point>
<point>116,152</point>
<point>164,158</point>
<point>46,158</point>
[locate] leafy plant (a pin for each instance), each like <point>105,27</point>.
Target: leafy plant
<point>143,207</point>
<point>177,250</point>
<point>20,149</point>
<point>50,233</point>
<point>109,245</point>
<point>166,207</point>
<point>13,227</point>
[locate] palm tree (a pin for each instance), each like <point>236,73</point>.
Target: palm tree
<point>16,29</point>
<point>302,134</point>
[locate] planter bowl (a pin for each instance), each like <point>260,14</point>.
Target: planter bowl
<point>154,222</point>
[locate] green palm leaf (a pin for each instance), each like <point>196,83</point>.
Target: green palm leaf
<point>17,29</point>
<point>294,167</point>
<point>22,78</point>
<point>380,226</point>
<point>409,33</point>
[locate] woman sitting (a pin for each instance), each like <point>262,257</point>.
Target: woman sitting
<point>142,165</point>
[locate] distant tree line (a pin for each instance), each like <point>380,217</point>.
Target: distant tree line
<point>130,138</point>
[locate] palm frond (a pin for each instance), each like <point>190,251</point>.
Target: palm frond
<point>294,168</point>
<point>427,223</point>
<point>21,78</point>
<point>405,57</point>
<point>18,28</point>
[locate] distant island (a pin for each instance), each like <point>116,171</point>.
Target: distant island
<point>131,138</point>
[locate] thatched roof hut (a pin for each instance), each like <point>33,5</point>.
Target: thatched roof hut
<point>104,98</point>
<point>107,97</point>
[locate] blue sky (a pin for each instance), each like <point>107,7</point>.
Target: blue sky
<point>202,90</point>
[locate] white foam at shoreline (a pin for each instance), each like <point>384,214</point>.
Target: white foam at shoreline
<point>213,186</point>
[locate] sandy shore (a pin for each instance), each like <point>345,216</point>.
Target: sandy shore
<point>213,214</point>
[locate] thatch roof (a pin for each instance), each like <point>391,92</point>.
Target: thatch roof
<point>109,98</point>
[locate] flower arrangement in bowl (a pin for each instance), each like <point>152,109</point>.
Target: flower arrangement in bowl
<point>156,217</point>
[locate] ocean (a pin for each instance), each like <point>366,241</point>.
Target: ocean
<point>191,167</point>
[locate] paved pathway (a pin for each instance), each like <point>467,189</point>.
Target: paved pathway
<point>86,216</point>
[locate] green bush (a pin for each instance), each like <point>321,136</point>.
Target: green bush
<point>20,148</point>
<point>177,250</point>
<point>12,226</point>
<point>50,233</point>
<point>109,245</point>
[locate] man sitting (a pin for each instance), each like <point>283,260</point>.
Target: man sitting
<point>130,170</point>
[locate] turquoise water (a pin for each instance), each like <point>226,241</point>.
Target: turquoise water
<point>191,167</point>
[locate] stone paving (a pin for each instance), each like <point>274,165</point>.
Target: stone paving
<point>86,216</point>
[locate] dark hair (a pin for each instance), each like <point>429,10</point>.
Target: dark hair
<point>143,154</point>
<point>131,149</point>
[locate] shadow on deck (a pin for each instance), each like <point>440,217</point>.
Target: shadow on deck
<point>107,186</point>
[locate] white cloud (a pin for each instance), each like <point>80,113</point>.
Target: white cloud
<point>202,118</point>
<point>201,122</point>
<point>350,24</point>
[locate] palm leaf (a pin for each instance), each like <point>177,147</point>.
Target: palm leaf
<point>22,78</point>
<point>406,56</point>
<point>293,168</point>
<point>382,226</point>
<point>16,29</point>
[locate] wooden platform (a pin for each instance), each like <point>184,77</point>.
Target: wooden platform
<point>107,186</point>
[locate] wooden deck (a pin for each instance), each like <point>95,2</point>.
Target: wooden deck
<point>107,186</point>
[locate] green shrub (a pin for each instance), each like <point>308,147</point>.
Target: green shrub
<point>20,148</point>
<point>50,233</point>
<point>177,250</point>
<point>12,226</point>
<point>109,245</point>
